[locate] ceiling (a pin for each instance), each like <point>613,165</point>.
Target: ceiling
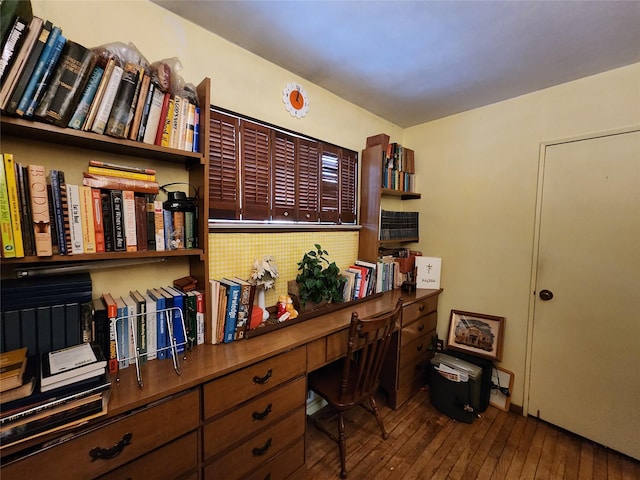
<point>414,61</point>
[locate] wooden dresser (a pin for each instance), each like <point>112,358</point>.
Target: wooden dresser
<point>236,411</point>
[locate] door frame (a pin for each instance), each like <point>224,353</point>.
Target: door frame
<point>536,242</point>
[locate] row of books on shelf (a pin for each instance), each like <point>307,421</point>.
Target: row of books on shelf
<point>114,210</point>
<point>49,78</point>
<point>396,225</point>
<point>398,180</point>
<point>397,157</point>
<point>42,394</point>
<point>233,312</point>
<point>368,278</point>
<point>149,325</point>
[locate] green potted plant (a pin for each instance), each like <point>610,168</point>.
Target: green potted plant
<point>319,281</point>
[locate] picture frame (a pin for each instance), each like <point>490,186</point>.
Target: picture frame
<point>501,384</point>
<point>476,334</point>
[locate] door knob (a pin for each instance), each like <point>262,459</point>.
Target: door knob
<point>546,295</point>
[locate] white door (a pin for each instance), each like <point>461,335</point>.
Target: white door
<point>585,357</point>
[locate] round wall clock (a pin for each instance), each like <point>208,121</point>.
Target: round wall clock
<point>295,100</point>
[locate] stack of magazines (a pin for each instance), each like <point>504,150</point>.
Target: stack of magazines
<point>72,388</point>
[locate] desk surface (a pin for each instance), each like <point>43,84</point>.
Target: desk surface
<point>207,362</point>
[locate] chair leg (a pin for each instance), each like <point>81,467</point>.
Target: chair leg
<point>342,445</point>
<point>374,407</point>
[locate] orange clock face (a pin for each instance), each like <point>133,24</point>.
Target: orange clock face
<point>296,99</point>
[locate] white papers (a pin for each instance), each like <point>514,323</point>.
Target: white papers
<point>428,272</point>
<point>452,374</point>
<point>71,357</point>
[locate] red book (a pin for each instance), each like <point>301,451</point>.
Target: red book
<point>112,314</point>
<point>163,117</point>
<point>98,221</point>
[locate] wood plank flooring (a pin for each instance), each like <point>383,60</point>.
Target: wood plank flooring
<point>425,444</point>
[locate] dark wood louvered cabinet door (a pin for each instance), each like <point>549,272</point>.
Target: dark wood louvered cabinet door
<point>255,176</point>
<point>284,151</point>
<point>224,199</point>
<point>348,186</point>
<point>329,183</point>
<point>308,186</point>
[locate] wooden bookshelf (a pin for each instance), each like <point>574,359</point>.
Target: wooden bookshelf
<point>371,195</point>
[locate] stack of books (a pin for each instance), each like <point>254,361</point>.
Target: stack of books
<point>74,388</point>
<point>16,380</point>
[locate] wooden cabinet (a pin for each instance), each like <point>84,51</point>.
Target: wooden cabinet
<point>407,363</point>
<point>371,194</point>
<point>62,139</point>
<point>122,440</point>
<point>255,419</point>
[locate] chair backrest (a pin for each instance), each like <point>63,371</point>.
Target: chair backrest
<point>369,340</point>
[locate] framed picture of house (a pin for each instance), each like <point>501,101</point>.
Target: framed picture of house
<point>476,334</point>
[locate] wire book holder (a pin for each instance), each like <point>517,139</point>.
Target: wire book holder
<point>169,316</point>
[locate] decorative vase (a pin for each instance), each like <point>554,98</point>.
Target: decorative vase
<point>262,304</point>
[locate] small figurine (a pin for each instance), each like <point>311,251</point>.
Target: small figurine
<point>286,311</point>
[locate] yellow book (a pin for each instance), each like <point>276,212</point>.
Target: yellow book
<point>111,172</point>
<point>168,123</point>
<point>86,218</point>
<point>8,245</point>
<point>14,203</point>
<point>12,365</point>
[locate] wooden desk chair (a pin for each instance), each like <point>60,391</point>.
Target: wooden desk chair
<point>347,383</point>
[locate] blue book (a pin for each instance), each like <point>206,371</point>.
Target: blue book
<point>196,131</point>
<point>58,212</point>
<point>50,68</point>
<point>161,329</point>
<point>178,317</point>
<point>122,332</point>
<point>233,305</point>
<point>38,71</point>
<point>78,117</point>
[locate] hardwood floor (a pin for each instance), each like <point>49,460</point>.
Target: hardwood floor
<point>425,444</point>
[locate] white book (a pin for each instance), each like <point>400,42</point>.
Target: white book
<point>153,120</point>
<point>152,327</point>
<point>132,313</point>
<point>129,216</point>
<point>75,218</point>
<point>102,117</point>
<point>174,137</point>
<point>158,215</point>
<point>428,272</point>
<point>215,303</point>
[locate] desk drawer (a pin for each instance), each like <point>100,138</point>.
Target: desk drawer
<point>149,429</point>
<point>415,351</point>
<point>253,416</point>
<point>171,461</point>
<point>418,309</point>
<point>421,327</point>
<point>283,465</point>
<point>258,449</point>
<point>235,388</point>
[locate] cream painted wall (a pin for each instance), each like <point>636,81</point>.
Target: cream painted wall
<point>478,171</point>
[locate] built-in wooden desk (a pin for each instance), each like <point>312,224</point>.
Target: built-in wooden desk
<point>237,410</point>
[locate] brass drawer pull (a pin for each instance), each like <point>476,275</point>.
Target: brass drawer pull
<point>263,380</point>
<point>422,307</point>
<point>262,415</point>
<point>421,327</point>
<point>420,346</point>
<point>109,453</point>
<point>258,452</point>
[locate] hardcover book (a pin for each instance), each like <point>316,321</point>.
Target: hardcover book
<point>53,179</point>
<point>65,210</point>
<point>179,325</point>
<point>70,363</point>
<point>138,106</point>
<point>14,203</point>
<point>141,221</point>
<point>107,220</point>
<point>12,367</point>
<point>161,323</point>
<point>245,305</point>
<point>141,324</point>
<point>40,210</point>
<point>100,317</point>
<point>98,220</point>
<point>153,120</point>
<point>29,67</point>
<point>8,245</point>
<point>106,102</point>
<point>158,217</point>
<point>75,219</point>
<point>129,217</point>
<point>233,303</point>
<point>112,314</point>
<point>50,34</point>
<point>84,104</point>
<point>122,333</point>
<point>86,215</point>
<point>25,209</point>
<point>119,115</point>
<point>146,108</point>
<point>428,272</point>
<point>14,73</point>
<point>12,44</point>
<point>152,326</point>
<point>117,220</point>
<point>107,63</point>
<point>119,183</point>
<point>67,83</point>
